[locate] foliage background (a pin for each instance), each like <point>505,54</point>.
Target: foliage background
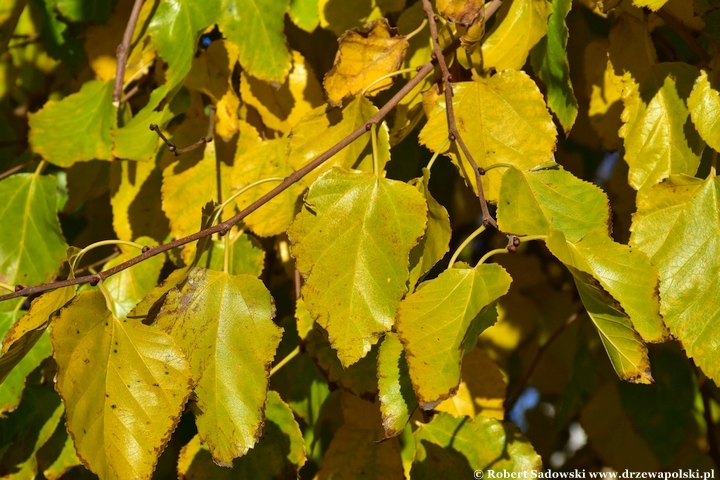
<point>598,342</point>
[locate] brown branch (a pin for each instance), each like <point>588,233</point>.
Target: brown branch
<point>512,399</point>
<point>224,227</point>
<point>453,133</point>
<point>123,50</point>
<point>14,169</point>
<point>680,29</point>
<point>203,140</point>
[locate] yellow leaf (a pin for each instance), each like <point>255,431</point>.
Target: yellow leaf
<point>211,74</point>
<point>460,404</point>
<point>464,12</point>
<point>281,108</point>
<point>485,383</point>
<point>340,15</point>
<point>519,26</point>
<point>631,47</point>
<point>101,42</point>
<point>605,92</point>
<point>364,56</point>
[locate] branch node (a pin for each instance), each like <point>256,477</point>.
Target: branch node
<point>94,281</point>
<point>451,137</point>
<point>19,288</point>
<point>145,249</point>
<point>481,171</point>
<point>224,230</point>
<point>368,126</point>
<point>449,78</point>
<point>153,127</point>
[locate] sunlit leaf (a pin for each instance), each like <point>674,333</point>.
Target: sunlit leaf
<point>352,241</point>
<point>605,94</point>
<point>324,127</point>
<point>30,251</point>
<point>653,5</point>
<point>704,106</point>
<point>245,256</point>
<point>624,273</point>
<point>340,16</point>
<point>433,325</point>
<point>354,451</point>
<point>87,118</point>
<point>123,384</point>
<point>224,325</point>
<point>542,200</point>
<point>363,57</point>
<point>266,56</point>
<point>502,119</point>
<point>397,399</point>
<point>282,108</point>
<point>266,160</point>
<point>129,286</point>
<point>447,447</point>
<point>435,243</point>
<point>549,60</point>
<point>660,139</point>
<point>135,141</point>
<point>279,453</point>
<point>519,26</point>
<point>304,14</point>
<point>677,225</point>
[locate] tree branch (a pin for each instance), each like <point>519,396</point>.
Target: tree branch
<point>123,50</point>
<point>453,133</point>
<point>224,227</point>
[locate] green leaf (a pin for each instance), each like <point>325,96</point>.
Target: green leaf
<point>304,14</point>
<point>397,399</point>
<point>129,286</point>
<point>677,225</point>
<point>85,10</point>
<point>549,60</point>
<point>519,25</point>
<point>266,160</point>
<point>704,103</point>
<point>266,56</point>
<point>626,274</point>
<point>175,28</point>
<point>351,241</point>
<point>28,428</point>
<point>627,352</point>
<point>245,256</point>
<point>436,242</point>
<point>324,127</point>
<point>135,140</point>
<point>87,118</point>
<point>447,447</point>
<point>660,139</point>
<point>433,324</point>
<point>540,201</point>
<point>502,119</point>
<point>280,453</point>
<point>30,251</point>
<point>25,333</point>
<point>123,384</point>
<point>58,454</point>
<point>355,451</point>
<point>224,325</point>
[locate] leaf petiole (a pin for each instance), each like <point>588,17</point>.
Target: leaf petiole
<point>375,155</point>
<point>389,75</point>
<point>7,287</point>
<point>498,165</point>
<point>464,244</point>
<point>285,360</point>
<point>78,257</point>
<point>437,154</point>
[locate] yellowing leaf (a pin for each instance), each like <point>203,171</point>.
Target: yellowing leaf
<point>351,241</point>
<point>224,325</point>
<point>304,14</point>
<point>135,199</point>
<point>87,118</point>
<point>502,119</point>
<point>464,12</point>
<point>354,450</point>
<point>266,55</point>
<point>435,243</point>
<point>631,47</point>
<point>677,225</point>
<point>486,384</point>
<point>123,384</point>
<point>542,200</point>
<point>245,255</point>
<point>135,141</point>
<point>653,5</point>
<point>363,57</point>
<point>324,127</point>
<point>460,404</point>
<point>519,26</point>
<point>704,106</point>
<point>25,333</point>
<point>397,399</point>
<point>447,447</point>
<point>434,321</point>
<point>31,243</point>
<point>266,160</point>
<point>605,94</point>
<point>660,139</point>
<point>339,16</point>
<point>282,108</point>
<point>129,286</point>
<point>624,273</point>
<point>280,451</point>
<point>211,74</point>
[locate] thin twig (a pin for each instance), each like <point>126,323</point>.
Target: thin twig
<point>123,50</point>
<point>512,399</point>
<point>453,133</point>
<point>224,227</point>
<point>14,169</point>
<point>680,29</point>
<point>203,140</point>
<point>298,284</point>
